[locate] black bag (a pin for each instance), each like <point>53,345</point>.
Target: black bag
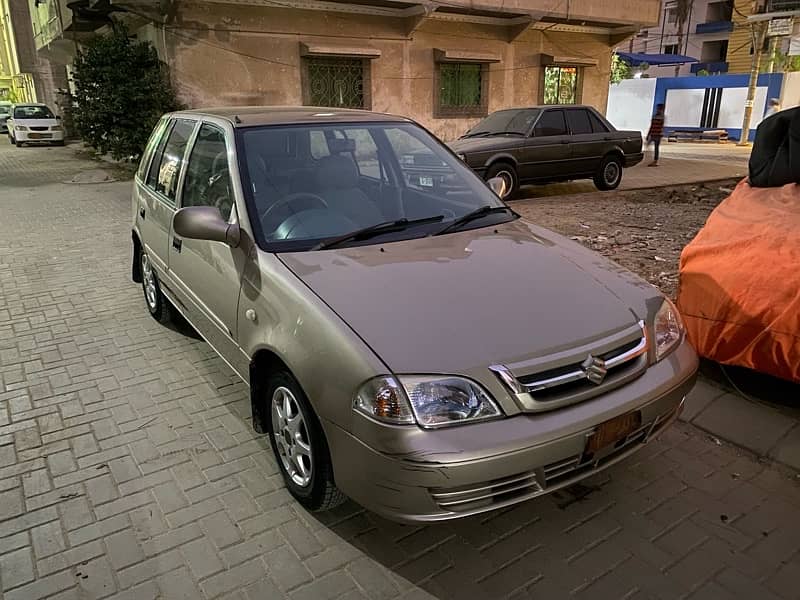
<point>775,159</point>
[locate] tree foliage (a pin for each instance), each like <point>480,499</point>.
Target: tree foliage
<point>121,89</point>
<point>619,69</point>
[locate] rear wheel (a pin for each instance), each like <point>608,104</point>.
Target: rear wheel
<point>609,175</point>
<point>299,445</point>
<point>156,303</point>
<point>507,173</point>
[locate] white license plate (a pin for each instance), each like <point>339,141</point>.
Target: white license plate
<point>426,181</point>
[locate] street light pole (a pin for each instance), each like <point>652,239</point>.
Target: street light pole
<point>759,33</point>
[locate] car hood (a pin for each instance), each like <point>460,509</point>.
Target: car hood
<point>499,142</point>
<point>459,302</point>
<point>36,122</point>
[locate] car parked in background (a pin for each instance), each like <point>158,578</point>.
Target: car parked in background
<point>416,347</point>
<point>5,113</point>
<point>34,123</point>
<point>546,144</point>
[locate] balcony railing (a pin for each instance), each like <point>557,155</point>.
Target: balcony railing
<point>714,27</point>
<point>782,5</point>
<point>711,67</point>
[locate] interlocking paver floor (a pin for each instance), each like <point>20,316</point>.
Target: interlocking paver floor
<point>128,468</point>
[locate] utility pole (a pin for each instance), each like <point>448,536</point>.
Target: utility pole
<point>759,30</point>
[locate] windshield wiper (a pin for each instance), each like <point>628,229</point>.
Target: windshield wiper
<point>488,133</point>
<point>471,216</point>
<point>477,134</point>
<point>377,229</point>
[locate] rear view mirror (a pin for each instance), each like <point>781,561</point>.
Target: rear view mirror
<point>205,223</point>
<point>498,186</point>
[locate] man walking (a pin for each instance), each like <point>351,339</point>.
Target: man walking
<point>656,132</point>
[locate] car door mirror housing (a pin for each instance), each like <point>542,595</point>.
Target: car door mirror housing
<point>205,223</point>
<point>498,186</point>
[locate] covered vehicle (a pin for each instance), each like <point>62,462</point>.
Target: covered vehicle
<point>544,144</point>
<point>740,278</point>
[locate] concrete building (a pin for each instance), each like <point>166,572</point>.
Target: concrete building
<point>445,63</point>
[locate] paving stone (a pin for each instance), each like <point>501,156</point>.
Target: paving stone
<point>232,579</point>
<point>123,549</point>
<point>169,497</point>
<point>787,449</point>
<point>47,539</point>
<point>16,568</point>
<point>95,579</point>
<point>201,558</point>
<point>753,426</point>
<point>101,489</point>
<point>699,398</point>
<point>220,529</point>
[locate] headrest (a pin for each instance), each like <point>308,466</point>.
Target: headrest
<point>337,171</point>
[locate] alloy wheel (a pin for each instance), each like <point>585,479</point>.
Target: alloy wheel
<point>291,437</point>
<point>611,173</point>
<point>149,280</point>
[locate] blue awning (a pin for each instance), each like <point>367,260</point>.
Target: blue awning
<point>635,59</point>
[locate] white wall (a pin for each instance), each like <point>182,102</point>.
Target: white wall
<point>684,108</point>
<point>790,96</point>
<point>731,111</point>
<point>630,104</point>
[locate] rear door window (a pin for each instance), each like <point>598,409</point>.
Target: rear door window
<point>551,123</point>
<point>152,144</point>
<point>169,168</point>
<point>578,120</point>
<point>597,125</point>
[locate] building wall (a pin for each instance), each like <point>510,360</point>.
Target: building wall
<point>740,44</point>
<point>247,55</point>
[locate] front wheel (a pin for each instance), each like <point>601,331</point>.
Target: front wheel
<point>299,445</point>
<point>507,173</point>
<point>609,175</point>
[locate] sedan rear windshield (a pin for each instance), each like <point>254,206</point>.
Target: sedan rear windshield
<point>306,184</point>
<point>33,112</point>
<point>518,121</point>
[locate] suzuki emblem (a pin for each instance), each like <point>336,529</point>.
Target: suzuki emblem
<point>595,369</point>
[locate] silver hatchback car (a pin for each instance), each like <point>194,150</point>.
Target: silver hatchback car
<point>408,341</point>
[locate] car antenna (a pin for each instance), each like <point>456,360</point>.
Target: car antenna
<point>237,120</point>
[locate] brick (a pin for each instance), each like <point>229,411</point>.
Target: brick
<point>178,585</point>
<point>95,578</point>
<point>124,469</point>
<point>171,539</point>
<point>144,482</point>
<point>16,568</point>
<point>75,513</point>
<point>301,539</point>
<point>372,579</point>
<point>69,558</point>
<point>220,529</point>
<point>151,567</point>
<point>101,490</point>
<point>83,445</point>
<point>188,476</point>
<point>331,586</point>
<point>201,558</point>
<point>743,587</point>
<point>47,539</point>
<point>240,505</point>
<point>229,580</point>
<point>148,521</point>
<point>98,530</point>
<point>286,569</point>
<point>169,497</point>
<point>42,587</point>
<point>8,455</point>
<point>194,512</point>
<point>123,549</point>
<point>35,483</point>
<point>257,546</point>
<point>27,438</point>
<point>262,589</point>
<point>124,504</point>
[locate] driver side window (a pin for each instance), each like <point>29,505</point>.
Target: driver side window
<point>208,180</point>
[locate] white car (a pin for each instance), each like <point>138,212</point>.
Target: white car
<point>33,123</point>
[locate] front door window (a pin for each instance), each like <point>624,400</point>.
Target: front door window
<point>560,85</point>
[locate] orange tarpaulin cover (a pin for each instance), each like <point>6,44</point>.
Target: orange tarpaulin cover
<point>740,282</point>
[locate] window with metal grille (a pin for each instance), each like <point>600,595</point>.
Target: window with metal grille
<point>336,82</point>
<point>461,90</point>
<point>561,85</point>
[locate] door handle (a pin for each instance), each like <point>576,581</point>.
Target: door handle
<point>177,243</point>
<point>141,212</point>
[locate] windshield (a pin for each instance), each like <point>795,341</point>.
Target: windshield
<point>33,112</point>
<point>4,111</point>
<point>517,121</point>
<point>309,184</point>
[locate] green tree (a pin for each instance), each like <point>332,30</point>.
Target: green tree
<point>619,69</point>
<point>121,89</point>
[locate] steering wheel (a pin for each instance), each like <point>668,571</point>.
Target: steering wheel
<point>290,198</point>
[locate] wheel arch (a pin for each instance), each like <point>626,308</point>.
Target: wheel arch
<point>264,362</point>
<point>502,158</point>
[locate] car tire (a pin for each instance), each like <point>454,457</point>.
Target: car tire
<point>507,172</point>
<point>157,304</point>
<point>299,444</point>
<point>609,175</point>
<point>18,144</point>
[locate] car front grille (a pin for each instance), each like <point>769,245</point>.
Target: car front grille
<point>39,128</point>
<point>572,376</point>
<point>506,491</point>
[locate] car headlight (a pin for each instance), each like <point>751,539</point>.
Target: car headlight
<point>56,128</point>
<point>429,400</point>
<point>20,128</point>
<point>667,329</point>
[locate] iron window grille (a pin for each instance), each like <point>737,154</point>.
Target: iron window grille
<point>562,85</point>
<point>337,82</point>
<point>461,89</point>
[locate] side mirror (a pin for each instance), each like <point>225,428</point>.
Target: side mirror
<point>205,223</point>
<point>498,186</point>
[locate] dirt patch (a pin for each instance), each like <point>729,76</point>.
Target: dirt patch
<point>643,230</point>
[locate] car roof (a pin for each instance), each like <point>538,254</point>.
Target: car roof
<point>546,106</point>
<point>251,116</point>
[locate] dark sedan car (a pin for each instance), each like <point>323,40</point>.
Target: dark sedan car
<point>549,143</point>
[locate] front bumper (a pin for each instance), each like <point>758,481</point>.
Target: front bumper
<point>42,137</point>
<point>548,452</point>
<point>633,159</point>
